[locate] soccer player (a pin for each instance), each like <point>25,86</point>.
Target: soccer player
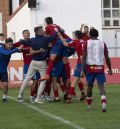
<point>27,57</point>
<point>85,31</point>
<point>57,46</point>
<point>38,62</point>
<point>2,38</point>
<point>5,55</point>
<point>93,54</point>
<point>77,44</point>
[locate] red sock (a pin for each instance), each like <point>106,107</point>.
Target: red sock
<point>63,88</point>
<point>50,66</point>
<point>35,90</point>
<point>32,92</point>
<point>67,69</point>
<point>71,92</point>
<point>81,87</point>
<point>56,93</point>
<point>48,87</point>
<point>89,100</point>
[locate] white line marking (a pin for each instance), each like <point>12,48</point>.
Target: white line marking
<point>67,122</point>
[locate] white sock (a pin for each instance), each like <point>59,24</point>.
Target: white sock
<point>103,100</point>
<point>4,96</point>
<point>41,88</point>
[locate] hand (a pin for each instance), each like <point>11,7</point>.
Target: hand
<point>20,47</point>
<point>82,74</point>
<point>110,72</point>
<point>82,25</point>
<point>42,50</point>
<point>56,30</point>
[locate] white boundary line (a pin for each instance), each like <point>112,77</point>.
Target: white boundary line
<point>43,112</point>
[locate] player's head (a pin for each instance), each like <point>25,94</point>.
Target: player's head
<point>39,30</point>
<point>48,20</point>
<point>2,36</point>
<point>94,33</point>
<point>92,27</point>
<point>77,34</point>
<point>86,29</point>
<point>9,43</point>
<point>26,34</point>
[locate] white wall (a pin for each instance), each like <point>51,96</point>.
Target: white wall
<point>15,5</point>
<point>17,24</point>
<point>0,22</point>
<point>69,14</point>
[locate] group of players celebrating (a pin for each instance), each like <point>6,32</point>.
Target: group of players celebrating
<point>46,62</point>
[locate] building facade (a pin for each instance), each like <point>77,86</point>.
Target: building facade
<point>70,15</point>
<point>4,14</point>
<point>111,25</point>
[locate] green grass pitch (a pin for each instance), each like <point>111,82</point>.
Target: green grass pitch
<point>14,115</point>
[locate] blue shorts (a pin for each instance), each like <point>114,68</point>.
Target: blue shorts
<point>4,77</point>
<point>63,75</point>
<point>57,69</point>
<point>100,77</point>
<point>59,49</point>
<point>25,70</point>
<point>77,71</point>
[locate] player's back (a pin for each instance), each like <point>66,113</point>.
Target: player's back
<point>50,30</point>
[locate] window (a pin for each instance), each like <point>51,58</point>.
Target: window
<point>111,13</point>
<point>107,13</point>
<point>115,13</point>
<point>115,3</point>
<point>116,23</point>
<point>106,3</point>
<point>107,22</point>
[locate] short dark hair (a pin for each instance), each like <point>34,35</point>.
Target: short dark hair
<point>37,28</point>
<point>24,31</point>
<point>9,40</point>
<point>78,34</point>
<point>49,20</point>
<point>86,27</point>
<point>94,33</point>
<point>1,34</point>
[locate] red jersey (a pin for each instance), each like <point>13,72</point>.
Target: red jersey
<point>85,37</point>
<point>78,46</point>
<point>27,57</point>
<point>50,30</point>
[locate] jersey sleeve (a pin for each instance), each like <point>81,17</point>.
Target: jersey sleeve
<point>72,44</point>
<point>8,52</point>
<point>17,44</point>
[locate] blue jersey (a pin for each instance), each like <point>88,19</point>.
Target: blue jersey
<point>5,58</point>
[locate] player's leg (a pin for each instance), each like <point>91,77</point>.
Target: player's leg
<point>31,72</point>
<point>55,50</point>
<point>90,77</point>
<point>79,82</point>
<point>55,90</point>
<point>47,90</point>
<point>101,80</point>
<point>34,87</point>
<point>4,82</point>
<point>41,67</point>
<point>56,73</point>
